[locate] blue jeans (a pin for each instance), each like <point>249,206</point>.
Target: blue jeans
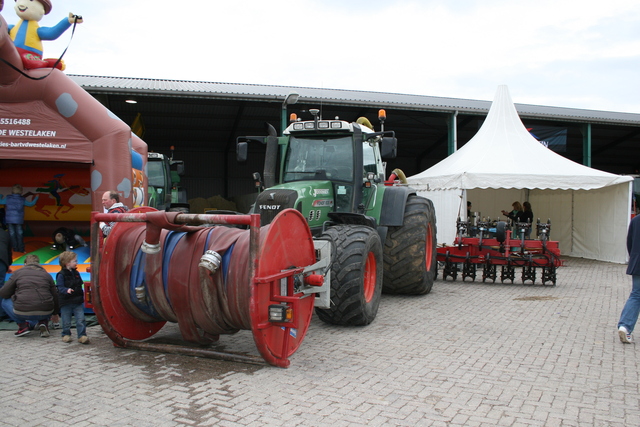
<point>65,314</point>
<point>17,241</point>
<point>7,306</point>
<point>631,309</point>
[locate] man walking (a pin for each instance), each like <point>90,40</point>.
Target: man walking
<point>631,309</point>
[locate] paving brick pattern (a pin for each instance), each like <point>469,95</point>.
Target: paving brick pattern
<point>468,354</point>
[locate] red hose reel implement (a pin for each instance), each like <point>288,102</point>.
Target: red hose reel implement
<point>157,267</point>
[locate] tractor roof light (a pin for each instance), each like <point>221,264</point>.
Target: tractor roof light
<point>280,313</point>
<point>323,125</point>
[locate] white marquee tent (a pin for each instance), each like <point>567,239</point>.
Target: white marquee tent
<point>589,209</point>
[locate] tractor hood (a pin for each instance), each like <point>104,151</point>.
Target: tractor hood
<point>314,199</point>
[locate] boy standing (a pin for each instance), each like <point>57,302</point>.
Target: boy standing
<point>71,297</point>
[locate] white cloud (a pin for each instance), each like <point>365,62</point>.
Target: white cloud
<point>558,52</point>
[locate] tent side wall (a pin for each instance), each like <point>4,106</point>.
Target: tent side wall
<point>600,223</point>
<point>556,206</point>
<point>448,206</point>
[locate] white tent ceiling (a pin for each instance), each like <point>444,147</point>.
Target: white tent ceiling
<point>503,163</point>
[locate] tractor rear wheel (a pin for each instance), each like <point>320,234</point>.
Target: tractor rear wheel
<point>356,276</point>
<point>410,250</point>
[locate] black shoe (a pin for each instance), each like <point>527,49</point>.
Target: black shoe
<point>23,329</point>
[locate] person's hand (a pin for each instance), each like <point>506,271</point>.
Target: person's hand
<point>75,18</point>
<point>69,291</point>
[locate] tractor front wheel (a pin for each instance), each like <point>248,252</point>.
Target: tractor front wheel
<point>410,250</point>
<point>356,276</point>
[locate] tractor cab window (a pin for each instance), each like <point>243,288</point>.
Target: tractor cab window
<point>369,158</point>
<point>156,173</point>
<point>319,159</point>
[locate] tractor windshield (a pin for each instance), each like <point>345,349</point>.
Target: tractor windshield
<point>156,173</point>
<point>319,158</point>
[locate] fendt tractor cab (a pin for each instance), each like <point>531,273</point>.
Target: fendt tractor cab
<point>165,192</point>
<point>383,235</point>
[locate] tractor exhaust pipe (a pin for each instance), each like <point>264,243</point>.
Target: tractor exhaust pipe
<point>271,157</point>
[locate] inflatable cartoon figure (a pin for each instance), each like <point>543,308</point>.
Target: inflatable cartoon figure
<point>27,35</point>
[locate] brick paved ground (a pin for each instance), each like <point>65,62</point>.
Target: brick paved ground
<point>468,354</point>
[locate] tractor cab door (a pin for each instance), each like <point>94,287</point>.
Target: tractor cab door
<point>372,163</point>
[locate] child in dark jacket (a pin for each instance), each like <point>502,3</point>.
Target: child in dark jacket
<point>14,215</point>
<point>71,297</point>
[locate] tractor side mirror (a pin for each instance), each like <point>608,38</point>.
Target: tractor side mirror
<point>179,168</point>
<point>257,181</point>
<point>242,149</point>
<point>388,147</point>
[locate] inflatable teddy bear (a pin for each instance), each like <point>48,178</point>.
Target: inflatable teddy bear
<point>27,35</point>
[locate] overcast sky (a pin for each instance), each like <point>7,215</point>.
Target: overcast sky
<point>567,53</point>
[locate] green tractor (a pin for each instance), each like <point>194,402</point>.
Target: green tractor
<point>165,192</point>
<point>382,234</point>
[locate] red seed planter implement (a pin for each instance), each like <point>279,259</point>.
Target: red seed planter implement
<point>468,254</point>
<point>157,267</point>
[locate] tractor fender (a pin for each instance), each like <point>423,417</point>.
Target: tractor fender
<point>358,219</point>
<point>352,218</point>
<point>393,203</point>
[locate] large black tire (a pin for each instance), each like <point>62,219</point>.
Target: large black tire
<point>410,265</point>
<point>356,275</point>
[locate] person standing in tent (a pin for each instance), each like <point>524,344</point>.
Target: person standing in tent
<point>527,213</point>
<point>527,216</point>
<point>516,214</point>
<point>629,315</point>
